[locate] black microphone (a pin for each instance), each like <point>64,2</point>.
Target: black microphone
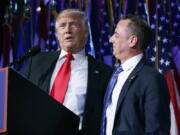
<point>33,51</point>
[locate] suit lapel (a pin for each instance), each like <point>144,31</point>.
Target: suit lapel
<point>47,70</point>
<point>92,85</point>
<point>128,82</point>
<point>93,77</point>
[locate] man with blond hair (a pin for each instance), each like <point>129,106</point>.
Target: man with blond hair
<point>88,77</point>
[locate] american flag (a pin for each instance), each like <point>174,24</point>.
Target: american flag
<point>110,13</point>
<point>105,31</point>
<point>160,56</point>
<point>142,10</point>
<point>174,85</point>
<point>52,43</point>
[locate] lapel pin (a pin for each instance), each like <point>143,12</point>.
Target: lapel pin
<point>96,72</point>
<point>132,78</point>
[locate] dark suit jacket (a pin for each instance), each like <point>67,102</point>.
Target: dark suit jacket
<point>143,104</point>
<point>39,70</point>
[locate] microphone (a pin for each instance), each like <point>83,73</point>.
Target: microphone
<point>33,51</point>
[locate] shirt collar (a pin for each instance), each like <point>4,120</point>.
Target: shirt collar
<point>132,62</point>
<point>78,55</point>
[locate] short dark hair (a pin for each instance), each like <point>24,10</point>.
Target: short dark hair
<point>140,28</point>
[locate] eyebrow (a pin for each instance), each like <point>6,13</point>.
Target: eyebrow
<point>68,22</point>
<point>115,32</point>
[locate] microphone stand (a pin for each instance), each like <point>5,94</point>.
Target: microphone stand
<point>33,51</point>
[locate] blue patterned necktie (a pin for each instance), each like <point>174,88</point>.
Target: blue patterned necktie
<point>108,96</point>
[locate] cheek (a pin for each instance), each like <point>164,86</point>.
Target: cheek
<point>116,43</point>
<point>85,36</point>
<point>59,36</point>
<point>80,36</point>
<point>117,47</point>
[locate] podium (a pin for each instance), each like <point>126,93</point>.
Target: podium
<point>31,111</point>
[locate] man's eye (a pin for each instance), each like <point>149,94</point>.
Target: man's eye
<point>74,25</point>
<point>71,25</point>
<point>61,26</point>
<point>116,35</point>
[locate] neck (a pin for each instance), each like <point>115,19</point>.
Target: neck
<point>124,59</point>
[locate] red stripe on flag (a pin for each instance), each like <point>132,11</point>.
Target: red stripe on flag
<point>43,21</point>
<point>173,95</point>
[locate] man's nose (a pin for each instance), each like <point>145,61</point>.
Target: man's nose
<point>68,28</point>
<point>111,39</point>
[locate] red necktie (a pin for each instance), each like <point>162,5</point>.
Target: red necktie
<point>62,79</point>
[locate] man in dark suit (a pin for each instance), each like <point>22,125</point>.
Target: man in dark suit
<point>137,98</point>
<point>88,77</point>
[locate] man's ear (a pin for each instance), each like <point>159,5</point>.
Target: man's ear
<point>86,35</point>
<point>133,40</point>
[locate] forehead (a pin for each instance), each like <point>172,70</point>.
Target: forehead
<point>67,18</point>
<point>122,25</point>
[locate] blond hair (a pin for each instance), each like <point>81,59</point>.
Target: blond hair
<point>73,12</point>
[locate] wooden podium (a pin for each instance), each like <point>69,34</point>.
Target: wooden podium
<point>30,111</point>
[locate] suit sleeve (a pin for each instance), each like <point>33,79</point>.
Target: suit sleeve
<point>157,111</point>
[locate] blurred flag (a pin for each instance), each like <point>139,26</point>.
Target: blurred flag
<point>160,56</point>
<point>7,45</point>
<point>174,16</point>
<point>106,19</point>
<point>173,76</point>
<point>52,42</point>
<point>43,23</point>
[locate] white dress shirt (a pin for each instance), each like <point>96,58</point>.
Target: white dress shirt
<point>76,92</point>
<point>128,67</point>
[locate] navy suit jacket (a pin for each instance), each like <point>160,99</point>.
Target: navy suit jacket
<point>39,70</point>
<point>143,104</point>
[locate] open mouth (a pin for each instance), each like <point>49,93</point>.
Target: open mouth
<point>68,38</point>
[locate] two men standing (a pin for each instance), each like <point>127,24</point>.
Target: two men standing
<point>136,101</point>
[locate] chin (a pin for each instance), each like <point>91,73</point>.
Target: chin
<point>69,46</point>
<point>114,54</point>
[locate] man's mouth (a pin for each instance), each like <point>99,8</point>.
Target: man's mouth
<point>69,38</point>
